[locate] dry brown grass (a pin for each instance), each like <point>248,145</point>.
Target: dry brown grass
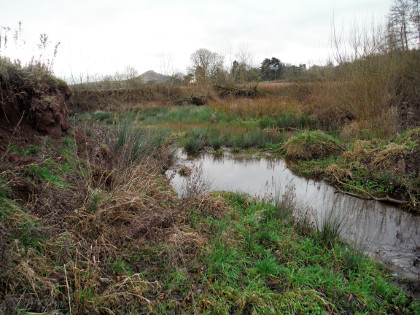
<point>377,91</point>
<point>66,263</point>
<point>138,205</point>
<point>258,107</point>
<point>90,97</point>
<point>393,158</point>
<point>312,99</point>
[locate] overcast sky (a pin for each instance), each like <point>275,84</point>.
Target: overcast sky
<point>101,36</point>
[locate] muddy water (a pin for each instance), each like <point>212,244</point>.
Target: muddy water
<point>384,232</point>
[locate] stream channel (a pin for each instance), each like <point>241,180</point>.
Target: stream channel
<point>383,231</point>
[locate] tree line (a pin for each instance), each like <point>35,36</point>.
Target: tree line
<point>402,32</point>
<point>207,67</point>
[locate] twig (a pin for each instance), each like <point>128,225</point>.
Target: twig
<point>370,197</point>
<point>67,286</point>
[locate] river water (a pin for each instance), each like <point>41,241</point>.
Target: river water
<point>382,231</point>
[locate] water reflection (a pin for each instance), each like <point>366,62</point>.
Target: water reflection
<point>383,231</point>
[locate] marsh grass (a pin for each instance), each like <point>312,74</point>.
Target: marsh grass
<point>138,143</point>
<point>77,210</point>
<point>234,137</point>
<point>287,121</point>
<point>102,231</point>
<point>330,229</point>
<point>311,145</point>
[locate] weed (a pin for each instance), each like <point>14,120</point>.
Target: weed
<point>120,267</point>
<point>69,143</point>
<point>44,173</point>
<point>268,266</point>
<point>5,190</point>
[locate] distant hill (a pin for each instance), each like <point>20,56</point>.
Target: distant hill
<point>153,76</point>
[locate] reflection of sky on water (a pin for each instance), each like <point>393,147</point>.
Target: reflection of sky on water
<point>383,231</point>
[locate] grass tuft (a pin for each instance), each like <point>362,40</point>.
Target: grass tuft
<point>311,145</point>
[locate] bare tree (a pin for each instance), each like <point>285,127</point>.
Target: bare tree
<point>242,65</point>
<point>399,23</point>
<point>206,66</point>
<point>415,18</point>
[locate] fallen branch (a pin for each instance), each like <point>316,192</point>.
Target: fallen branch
<point>370,197</point>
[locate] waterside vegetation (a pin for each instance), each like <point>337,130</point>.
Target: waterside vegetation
<point>89,222</point>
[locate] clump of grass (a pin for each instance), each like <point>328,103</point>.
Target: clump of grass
<point>329,229</point>
<point>102,116</point>
<point>398,158</point>
<point>387,168</point>
<point>27,151</point>
<point>311,145</point>
<point>410,136</point>
<point>135,143</point>
<point>184,171</point>
<point>195,140</point>
<point>353,259</point>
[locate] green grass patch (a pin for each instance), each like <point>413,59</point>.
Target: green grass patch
<point>258,260</point>
<point>30,150</point>
<point>183,115</point>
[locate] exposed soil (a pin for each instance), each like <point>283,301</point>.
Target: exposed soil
<point>41,109</point>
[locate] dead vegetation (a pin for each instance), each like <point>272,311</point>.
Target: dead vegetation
<point>75,213</point>
<point>74,248</point>
<point>93,96</point>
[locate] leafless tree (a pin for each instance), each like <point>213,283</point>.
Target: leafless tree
<point>415,18</point>
<point>404,24</point>
<point>206,66</point>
